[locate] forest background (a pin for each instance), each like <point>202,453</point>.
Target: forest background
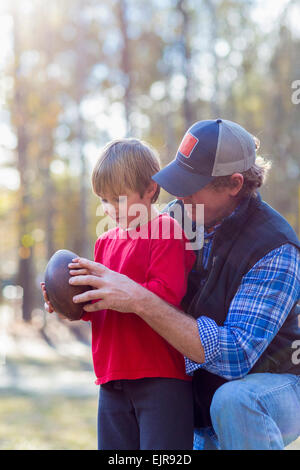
<point>75,74</point>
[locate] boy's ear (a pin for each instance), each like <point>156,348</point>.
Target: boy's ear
<point>151,190</point>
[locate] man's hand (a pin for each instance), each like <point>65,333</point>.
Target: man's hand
<point>119,292</point>
<point>116,291</point>
<point>83,266</point>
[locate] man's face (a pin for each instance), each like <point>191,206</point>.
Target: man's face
<point>217,204</point>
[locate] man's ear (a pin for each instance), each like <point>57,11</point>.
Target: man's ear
<point>237,181</point>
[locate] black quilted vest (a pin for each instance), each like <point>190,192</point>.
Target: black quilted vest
<point>243,239</point>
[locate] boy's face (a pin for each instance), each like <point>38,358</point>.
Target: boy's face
<point>127,208</point>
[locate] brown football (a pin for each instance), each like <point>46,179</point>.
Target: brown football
<point>59,291</point>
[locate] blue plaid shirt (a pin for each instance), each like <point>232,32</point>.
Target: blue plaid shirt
<point>266,295</point>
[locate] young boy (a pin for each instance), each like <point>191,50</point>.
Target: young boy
<point>145,396</point>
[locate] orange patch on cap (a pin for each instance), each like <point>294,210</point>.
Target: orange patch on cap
<point>187,145</point>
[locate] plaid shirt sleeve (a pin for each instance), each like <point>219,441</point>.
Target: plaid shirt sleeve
<point>257,311</point>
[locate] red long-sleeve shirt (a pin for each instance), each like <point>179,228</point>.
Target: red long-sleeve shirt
<point>123,345</point>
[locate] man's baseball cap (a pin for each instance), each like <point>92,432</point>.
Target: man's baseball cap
<point>209,149</point>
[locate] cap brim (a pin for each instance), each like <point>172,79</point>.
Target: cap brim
<point>180,182</point>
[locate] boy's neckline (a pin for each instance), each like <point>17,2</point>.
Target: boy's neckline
<point>154,214</point>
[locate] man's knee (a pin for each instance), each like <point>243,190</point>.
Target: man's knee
<point>227,400</point>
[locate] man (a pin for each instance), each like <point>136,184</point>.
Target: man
<point>240,330</point>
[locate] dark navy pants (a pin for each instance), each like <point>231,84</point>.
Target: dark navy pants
<point>149,413</point>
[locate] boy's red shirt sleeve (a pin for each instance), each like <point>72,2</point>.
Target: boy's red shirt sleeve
<point>169,267</point>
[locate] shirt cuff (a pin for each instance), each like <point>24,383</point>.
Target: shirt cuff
<point>209,337</point>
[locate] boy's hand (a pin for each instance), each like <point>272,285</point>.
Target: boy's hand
<point>48,307</point>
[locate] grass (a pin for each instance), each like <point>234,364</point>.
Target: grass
<point>48,399</point>
<point>46,402</point>
<point>47,423</point>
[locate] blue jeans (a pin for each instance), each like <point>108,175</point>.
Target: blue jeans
<point>258,412</point>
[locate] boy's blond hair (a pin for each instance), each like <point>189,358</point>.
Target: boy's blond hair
<point>125,164</point>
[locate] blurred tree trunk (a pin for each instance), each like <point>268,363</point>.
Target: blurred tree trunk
<point>81,246</point>
<point>125,63</point>
<point>213,23</point>
<point>283,118</point>
<point>186,62</point>
<point>170,132</point>
<point>48,96</point>
<point>25,275</point>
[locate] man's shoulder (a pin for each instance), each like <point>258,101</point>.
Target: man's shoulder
<point>268,221</point>
<point>175,204</point>
<point>285,258</point>
<point>258,228</point>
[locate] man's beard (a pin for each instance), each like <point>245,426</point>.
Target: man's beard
<point>218,220</point>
